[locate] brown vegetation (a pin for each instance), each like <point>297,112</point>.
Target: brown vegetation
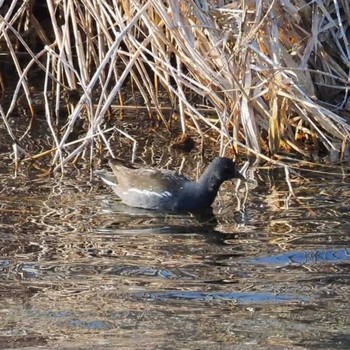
<point>271,79</point>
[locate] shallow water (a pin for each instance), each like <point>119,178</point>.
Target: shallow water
<point>270,269</point>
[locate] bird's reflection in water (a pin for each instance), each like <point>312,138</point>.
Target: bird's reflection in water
<point>142,221</point>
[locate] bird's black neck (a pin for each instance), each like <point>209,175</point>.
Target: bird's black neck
<point>208,186</point>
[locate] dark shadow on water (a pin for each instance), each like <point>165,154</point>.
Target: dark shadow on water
<point>237,297</point>
<point>339,341</point>
<point>202,223</point>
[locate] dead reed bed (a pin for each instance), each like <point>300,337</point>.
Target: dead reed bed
<point>272,77</point>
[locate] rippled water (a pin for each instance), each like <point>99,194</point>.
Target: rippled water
<point>270,269</point>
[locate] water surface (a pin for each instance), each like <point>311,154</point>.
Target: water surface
<point>269,270</point>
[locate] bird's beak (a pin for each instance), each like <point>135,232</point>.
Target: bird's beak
<point>238,175</point>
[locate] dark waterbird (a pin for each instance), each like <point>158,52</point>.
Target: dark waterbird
<point>160,189</point>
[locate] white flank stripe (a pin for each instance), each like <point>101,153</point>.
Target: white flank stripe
<point>166,194</point>
<point>150,193</point>
<point>108,182</point>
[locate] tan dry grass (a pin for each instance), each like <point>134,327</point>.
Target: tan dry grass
<point>274,75</point>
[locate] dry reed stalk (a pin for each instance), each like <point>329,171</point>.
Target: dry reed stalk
<point>270,74</point>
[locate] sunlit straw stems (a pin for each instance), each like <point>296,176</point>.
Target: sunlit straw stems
<point>48,114</point>
<point>265,71</point>
<point>97,119</point>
